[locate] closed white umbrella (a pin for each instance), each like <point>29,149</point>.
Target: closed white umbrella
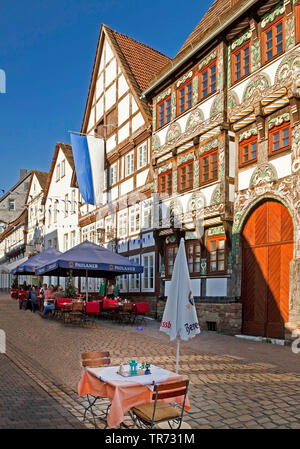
<point>180,317</point>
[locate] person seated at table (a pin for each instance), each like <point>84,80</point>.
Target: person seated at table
<point>47,304</point>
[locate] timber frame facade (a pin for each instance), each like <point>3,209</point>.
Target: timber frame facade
<point>225,142</point>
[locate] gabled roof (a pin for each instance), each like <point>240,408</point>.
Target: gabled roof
<point>220,16</point>
<point>10,228</point>
<point>29,173</point>
<point>139,63</point>
<point>42,179</point>
<point>67,150</point>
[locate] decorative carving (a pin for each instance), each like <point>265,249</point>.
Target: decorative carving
<point>216,196</point>
<point>184,78</point>
<point>256,55</point>
<point>296,149</point>
<point>237,42</point>
<point>290,33</point>
<point>196,173</point>
<point>195,90</point>
<point>247,134</point>
<point>217,106</point>
<point>262,174</point>
<point>207,60</point>
<point>269,17</point>
<point>173,133</point>
<point>195,118</point>
<point>217,230</point>
<point>185,158</point>
<point>155,142</point>
<point>209,146</point>
<point>233,100</point>
<point>164,95</point>
<point>229,65</point>
<point>165,168</point>
<point>257,85</point>
<point>276,121</point>
<point>288,69</point>
<point>173,105</point>
<point>203,267</point>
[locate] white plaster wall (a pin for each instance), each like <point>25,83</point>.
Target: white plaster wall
<point>137,122</point>
<point>108,52</point>
<point>141,178</point>
<point>114,193</point>
<point>123,132</point>
<point>148,240</point>
<point>134,105</point>
<point>162,135</point>
<point>134,243</point>
<point>207,192</point>
<point>110,97</point>
<point>244,178</point>
<point>231,192</point>
<point>123,110</point>
<point>206,107</point>
<point>127,186</point>
<point>232,159</point>
<point>122,86</point>
<point>111,142</point>
<point>99,109</point>
<point>283,165</point>
<point>92,118</point>
<point>110,72</point>
<point>216,287</point>
<point>99,86</point>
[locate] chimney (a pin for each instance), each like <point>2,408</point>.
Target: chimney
<point>23,172</point>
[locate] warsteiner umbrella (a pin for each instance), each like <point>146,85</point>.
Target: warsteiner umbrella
<point>180,317</point>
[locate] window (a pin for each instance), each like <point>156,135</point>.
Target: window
<point>129,164</point>
<point>26,186</point>
<point>148,274</point>
<point>241,62</point>
<point>73,239</point>
<point>113,174</point>
<point>193,254</point>
<point>171,253</point>
<point>165,183</point>
<point>73,208</point>
<point>216,254</point>
<point>185,176</point>
<point>134,214</point>
<point>122,224</point>
<point>147,214</point>
<point>209,166</point>
<point>66,242</point>
<point>11,205</point>
<point>134,279</point>
<point>273,40</point>
<point>208,80</point>
<point>142,155</point>
<point>58,172</point>
<point>280,138</point>
<point>63,169</point>
<point>248,151</point>
<point>66,205</point>
<point>164,111</point>
<point>122,281</point>
<point>184,97</point>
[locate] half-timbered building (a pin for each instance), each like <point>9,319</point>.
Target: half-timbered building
<point>226,165</point>
<point>122,69</point>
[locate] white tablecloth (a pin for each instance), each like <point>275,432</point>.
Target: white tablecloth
<point>109,373</point>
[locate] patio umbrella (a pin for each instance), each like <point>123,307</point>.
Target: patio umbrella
<point>180,319</point>
<point>29,265</point>
<point>89,260</point>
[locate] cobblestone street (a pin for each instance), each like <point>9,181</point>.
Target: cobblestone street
<point>234,383</point>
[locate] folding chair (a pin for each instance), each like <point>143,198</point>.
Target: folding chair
<point>158,411</point>
<point>76,315</point>
<point>126,315</point>
<point>95,360</point>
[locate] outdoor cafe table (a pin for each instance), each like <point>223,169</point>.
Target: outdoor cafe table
<point>123,392</point>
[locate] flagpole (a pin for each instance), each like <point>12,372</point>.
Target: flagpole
<point>177,355</point>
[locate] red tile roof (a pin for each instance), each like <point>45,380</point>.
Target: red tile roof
<point>144,62</point>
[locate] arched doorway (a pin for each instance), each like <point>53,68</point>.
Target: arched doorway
<point>267,244</point>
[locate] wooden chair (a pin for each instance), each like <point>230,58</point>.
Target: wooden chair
<point>158,411</point>
<point>76,315</point>
<point>126,315</point>
<point>95,360</point>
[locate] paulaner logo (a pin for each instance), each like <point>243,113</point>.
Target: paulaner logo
<point>2,82</point>
<point>2,342</point>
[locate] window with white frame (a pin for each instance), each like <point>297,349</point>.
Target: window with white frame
<point>129,163</point>
<point>73,239</point>
<point>11,205</point>
<point>66,205</point>
<point>63,168</point>
<point>134,279</point>
<point>122,223</point>
<point>84,234</point>
<point>66,242</point>
<point>113,178</point>
<point>122,281</point>
<point>147,214</point>
<point>148,263</point>
<point>142,155</point>
<point>58,172</point>
<point>109,229</point>
<point>134,216</point>
<point>92,234</point>
<point>73,208</point>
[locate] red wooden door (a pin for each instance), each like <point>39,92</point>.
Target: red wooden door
<point>267,241</point>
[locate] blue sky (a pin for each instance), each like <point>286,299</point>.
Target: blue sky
<point>47,50</point>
